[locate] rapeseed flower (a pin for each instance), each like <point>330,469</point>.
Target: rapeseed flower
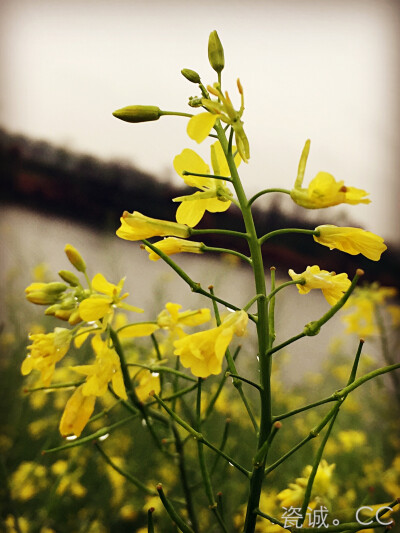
<point>214,195</point>
<point>200,126</point>
<point>148,381</point>
<point>324,190</point>
<point>46,350</point>
<point>170,318</point>
<point>353,241</point>
<point>203,352</point>
<point>172,245</point>
<point>323,487</point>
<point>106,369</point>
<point>333,285</point>
<point>100,304</point>
<point>77,412</point>
<point>363,304</point>
<point>136,227</point>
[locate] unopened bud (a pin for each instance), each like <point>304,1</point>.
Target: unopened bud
<point>75,318</point>
<point>138,113</point>
<point>54,287</point>
<point>190,75</point>
<point>69,277</point>
<point>215,52</point>
<point>75,258</point>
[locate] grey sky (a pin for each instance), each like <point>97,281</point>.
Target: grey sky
<point>320,69</point>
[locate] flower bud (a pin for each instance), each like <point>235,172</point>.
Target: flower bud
<point>215,52</point>
<point>190,75</point>
<point>75,258</point>
<point>69,277</point>
<point>138,113</point>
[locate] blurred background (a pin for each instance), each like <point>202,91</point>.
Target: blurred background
<point>325,70</point>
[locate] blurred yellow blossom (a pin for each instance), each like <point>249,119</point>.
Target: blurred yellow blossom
<point>147,382</point>
<point>333,285</point>
<point>323,488</point>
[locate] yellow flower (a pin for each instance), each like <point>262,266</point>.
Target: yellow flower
<point>353,241</point>
<point>148,381</point>
<point>333,285</point>
<point>77,412</point>
<point>214,195</point>
<point>322,487</point>
<point>99,305</point>
<point>170,318</point>
<point>106,369</point>
<point>324,190</point>
<point>351,439</point>
<point>45,351</point>
<point>136,227</point>
<point>199,126</point>
<point>363,302</point>
<point>203,352</point>
<point>172,245</point>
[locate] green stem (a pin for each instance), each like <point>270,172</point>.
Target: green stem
<point>318,457</point>
<point>250,302</point>
<point>196,287</point>
<point>213,176</point>
<point>262,327</point>
<point>343,392</point>
<point>181,524</point>
<point>286,343</point>
<point>166,369</point>
<point>130,388</point>
<point>266,191</point>
<point>123,473</point>
<point>184,478</point>
<point>66,385</point>
<point>286,230</point>
<point>317,460</point>
<point>221,446</point>
<point>203,466</point>
<point>232,369</point>
<point>94,436</point>
<point>226,251</point>
<point>150,524</point>
<point>176,113</point>
<point>287,284</point>
<point>245,380</point>
<point>221,384</point>
<point>229,232</point>
<point>198,436</point>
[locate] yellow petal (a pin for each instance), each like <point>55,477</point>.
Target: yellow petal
<point>214,205</point>
<point>100,284</point>
<point>191,162</point>
<point>138,330</point>
<point>200,126</point>
<point>94,308</point>
<point>190,213</point>
<point>76,414</point>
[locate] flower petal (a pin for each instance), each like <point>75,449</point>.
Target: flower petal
<point>200,126</point>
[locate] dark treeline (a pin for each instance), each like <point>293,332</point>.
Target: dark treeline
<point>53,180</point>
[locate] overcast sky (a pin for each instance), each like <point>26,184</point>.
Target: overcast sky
<point>321,69</point>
